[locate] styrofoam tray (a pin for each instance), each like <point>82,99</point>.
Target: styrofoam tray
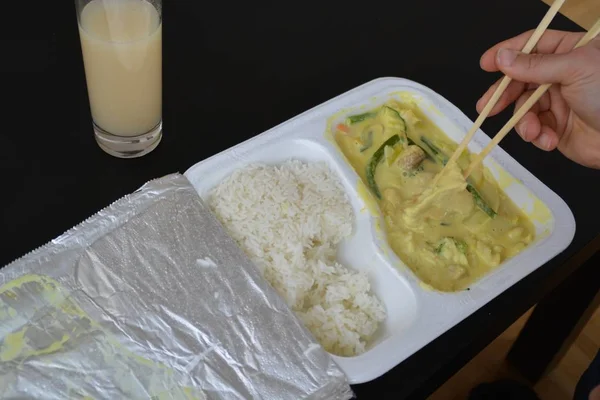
<point>416,314</point>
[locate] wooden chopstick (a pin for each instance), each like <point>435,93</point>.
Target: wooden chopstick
<point>589,36</point>
<point>535,37</point>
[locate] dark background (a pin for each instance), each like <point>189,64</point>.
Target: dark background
<point>234,70</point>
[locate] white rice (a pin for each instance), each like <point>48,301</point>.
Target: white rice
<point>289,220</point>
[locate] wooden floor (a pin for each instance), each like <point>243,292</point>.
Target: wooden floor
<point>489,365</point>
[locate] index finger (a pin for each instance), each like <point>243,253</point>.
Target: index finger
<point>552,41</point>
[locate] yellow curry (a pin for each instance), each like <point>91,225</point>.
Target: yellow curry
<point>450,232</point>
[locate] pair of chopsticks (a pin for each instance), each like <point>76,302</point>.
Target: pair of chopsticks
<point>539,92</point>
<point>535,37</point>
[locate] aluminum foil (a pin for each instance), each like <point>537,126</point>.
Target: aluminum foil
<point>151,299</point>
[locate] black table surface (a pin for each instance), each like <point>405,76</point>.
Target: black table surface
<point>232,71</point>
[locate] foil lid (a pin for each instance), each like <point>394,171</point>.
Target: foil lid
<point>151,299</point>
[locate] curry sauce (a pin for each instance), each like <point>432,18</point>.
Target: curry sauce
<point>449,231</point>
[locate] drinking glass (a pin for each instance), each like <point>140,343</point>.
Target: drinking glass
<point>121,42</point>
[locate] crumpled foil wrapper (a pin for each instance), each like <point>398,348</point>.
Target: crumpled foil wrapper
<point>151,299</point>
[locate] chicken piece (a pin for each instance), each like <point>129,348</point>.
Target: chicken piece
<point>391,200</point>
<point>411,157</point>
<point>452,250</point>
<point>486,254</point>
<point>456,272</point>
<point>515,234</point>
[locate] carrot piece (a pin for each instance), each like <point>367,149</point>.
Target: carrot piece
<point>343,128</point>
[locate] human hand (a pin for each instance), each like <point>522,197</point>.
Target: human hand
<point>567,117</point>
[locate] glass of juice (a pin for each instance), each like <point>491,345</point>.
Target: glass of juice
<point>121,41</point>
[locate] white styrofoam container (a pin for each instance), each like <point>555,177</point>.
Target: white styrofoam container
<point>416,314</point>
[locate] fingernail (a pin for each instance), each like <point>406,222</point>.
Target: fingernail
<point>545,141</point>
<point>478,105</point>
<point>523,131</point>
<point>506,57</point>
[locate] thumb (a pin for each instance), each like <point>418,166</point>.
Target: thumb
<point>536,68</point>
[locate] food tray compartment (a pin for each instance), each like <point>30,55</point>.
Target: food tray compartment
<point>416,315</point>
<point>357,252</point>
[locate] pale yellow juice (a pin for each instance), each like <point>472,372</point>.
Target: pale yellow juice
<point>121,42</point>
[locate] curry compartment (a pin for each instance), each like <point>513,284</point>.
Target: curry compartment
<point>377,121</point>
<point>448,230</point>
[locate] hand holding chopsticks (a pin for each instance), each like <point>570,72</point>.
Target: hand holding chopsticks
<point>502,87</point>
<point>535,97</point>
<point>535,37</point>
